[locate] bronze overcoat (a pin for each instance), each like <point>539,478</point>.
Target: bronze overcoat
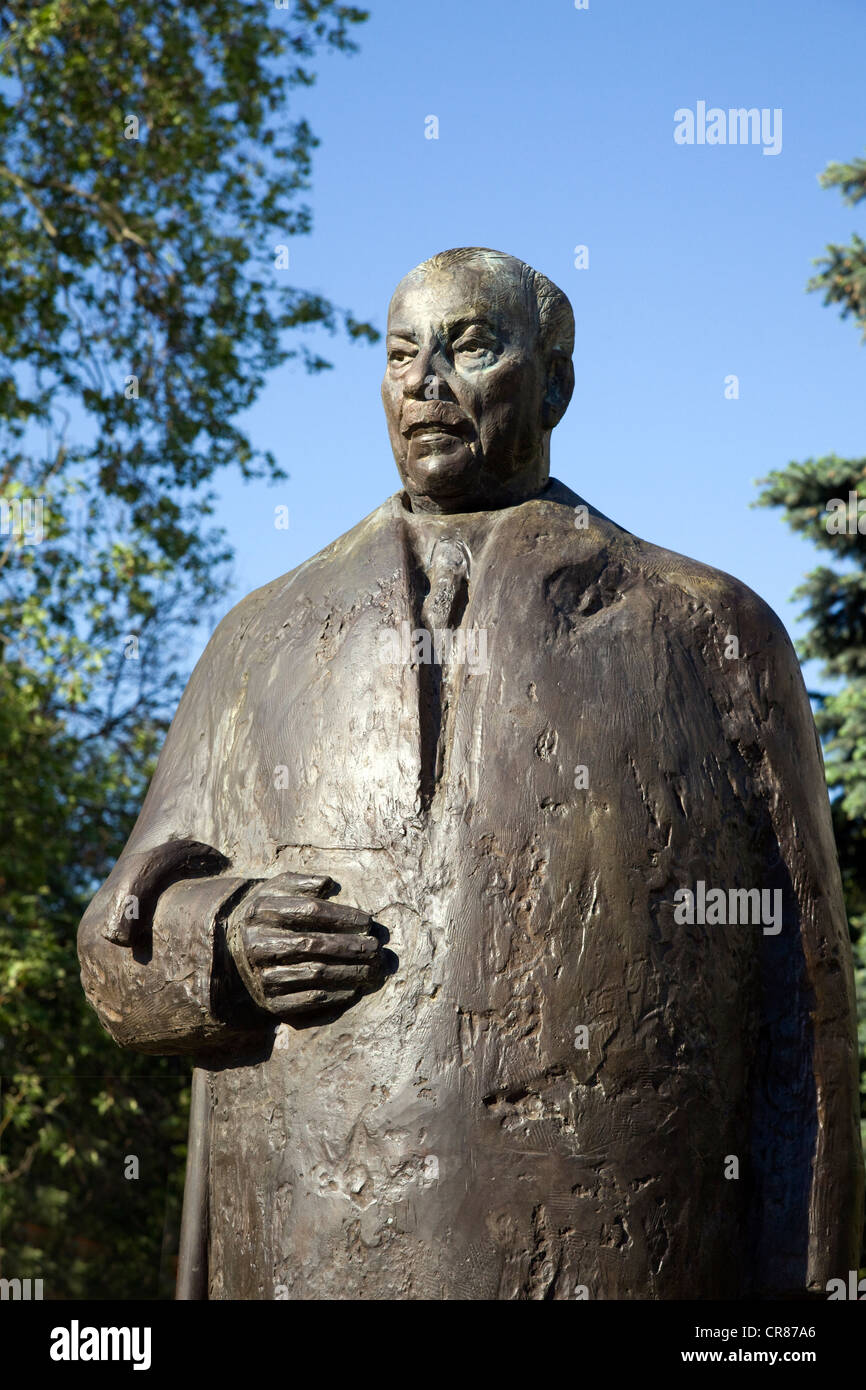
<point>456,1134</point>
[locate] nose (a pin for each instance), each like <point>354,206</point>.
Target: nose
<point>425,364</point>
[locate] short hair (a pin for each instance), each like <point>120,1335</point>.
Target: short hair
<point>555,315</point>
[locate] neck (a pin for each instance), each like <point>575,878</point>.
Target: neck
<point>491,493</point>
<point>491,496</point>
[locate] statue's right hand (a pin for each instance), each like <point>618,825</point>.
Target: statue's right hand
<point>296,952</point>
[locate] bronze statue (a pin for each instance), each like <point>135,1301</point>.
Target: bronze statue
<point>488,876</point>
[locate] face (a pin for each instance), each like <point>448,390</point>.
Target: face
<point>464,389</point>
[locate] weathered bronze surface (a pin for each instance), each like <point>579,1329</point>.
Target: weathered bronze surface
<point>406,874</point>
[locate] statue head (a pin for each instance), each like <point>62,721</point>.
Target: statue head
<point>479,372</point>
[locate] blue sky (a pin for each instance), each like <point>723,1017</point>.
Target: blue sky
<point>556,129</point>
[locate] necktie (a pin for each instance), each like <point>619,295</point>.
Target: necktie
<point>448,573</point>
<point>441,611</point>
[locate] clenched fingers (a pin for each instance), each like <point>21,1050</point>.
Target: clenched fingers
<point>277,909</point>
<point>287,979</point>
<point>272,946</point>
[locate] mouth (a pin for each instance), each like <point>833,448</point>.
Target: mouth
<point>434,429</point>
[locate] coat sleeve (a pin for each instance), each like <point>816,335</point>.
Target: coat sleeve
<point>154,963</point>
<point>806,1160</point>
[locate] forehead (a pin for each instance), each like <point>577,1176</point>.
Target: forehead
<point>452,294</point>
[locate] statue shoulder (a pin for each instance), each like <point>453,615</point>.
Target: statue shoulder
<point>696,590</point>
<point>719,596</point>
<point>272,603</point>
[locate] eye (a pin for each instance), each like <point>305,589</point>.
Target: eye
<point>399,356</point>
<point>475,347</point>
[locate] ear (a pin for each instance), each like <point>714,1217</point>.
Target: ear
<point>560,385</point>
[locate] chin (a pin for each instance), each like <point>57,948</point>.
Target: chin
<point>443,478</point>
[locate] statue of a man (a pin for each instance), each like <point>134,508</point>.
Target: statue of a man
<point>488,876</point>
